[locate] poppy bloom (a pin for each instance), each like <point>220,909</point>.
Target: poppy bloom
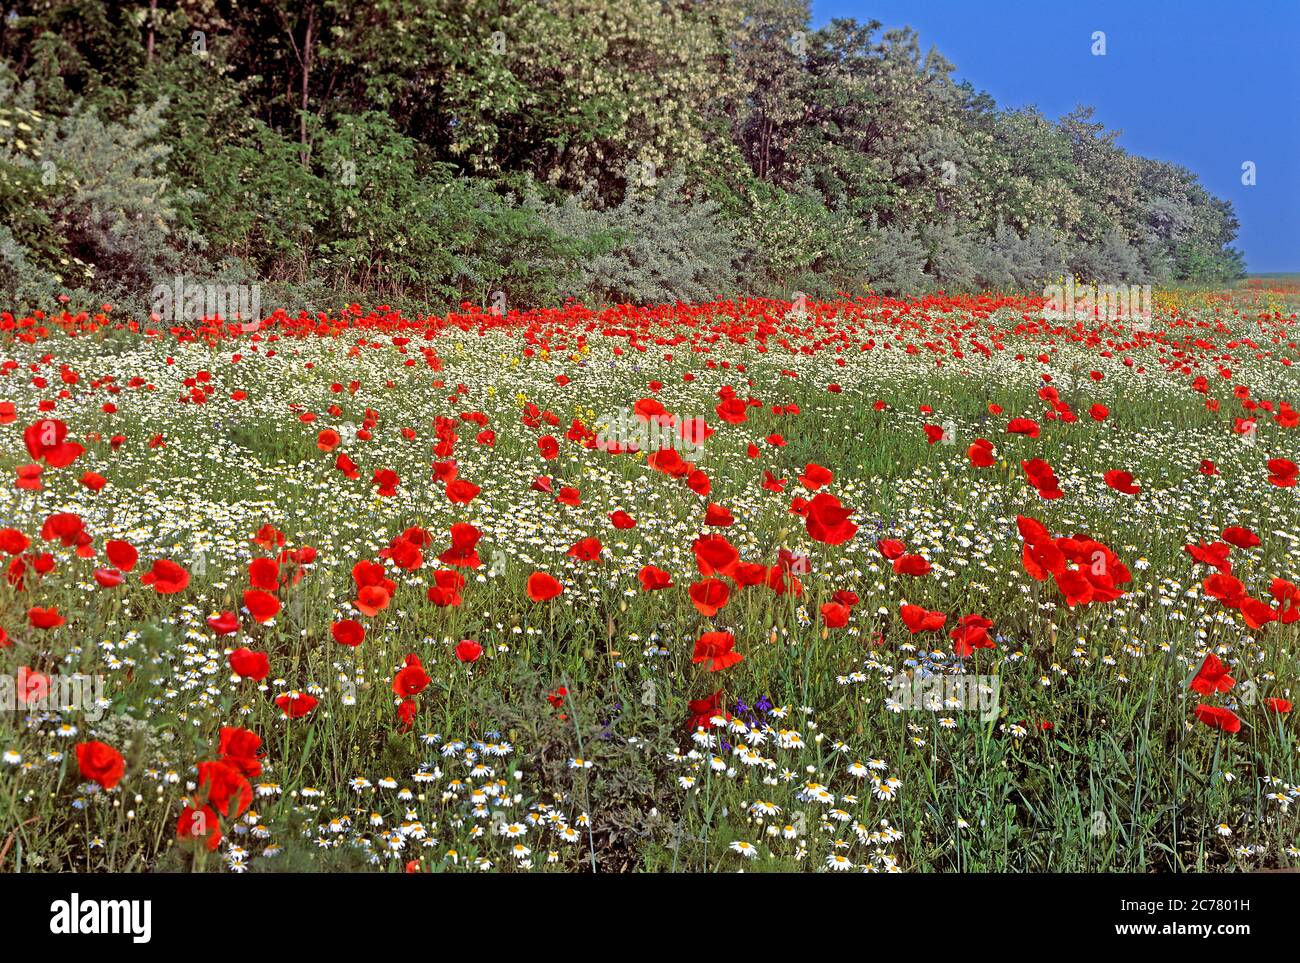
<point>48,618</point>
<point>913,565</point>
<point>717,649</point>
<point>980,453</point>
<point>467,650</point>
<point>411,679</point>
<point>701,712</point>
<point>262,606</point>
<point>445,591</point>
<point>815,476</point>
<point>970,634</point>
<point>709,595</point>
<point>224,788</point>
<point>1121,481</point>
<point>199,823</point>
<point>348,632</point>
<point>109,577</point>
<point>264,573</point>
<point>166,577</point>
<point>586,550</point>
<point>100,763</point>
<point>461,492</point>
<point>224,623</point>
<point>1282,472</point>
<point>249,664</point>
<point>295,705</point>
<point>1280,706</point>
<point>1219,718</point>
<point>1042,477</point>
<point>542,587</point>
<point>827,520</point>
<point>1240,537</point>
<point>891,548</point>
<point>122,554</point>
<point>918,619</point>
<point>46,441</point>
<point>1214,554</point>
<point>835,615</point>
<point>387,481</point>
<point>621,519</point>
<point>653,579</point>
<point>239,748</point>
<point>1212,677</point>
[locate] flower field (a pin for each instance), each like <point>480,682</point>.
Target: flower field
<point>948,584</point>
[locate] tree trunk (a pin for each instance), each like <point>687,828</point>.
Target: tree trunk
<point>306,81</point>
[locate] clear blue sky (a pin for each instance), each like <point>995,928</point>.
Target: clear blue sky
<point>1205,84</point>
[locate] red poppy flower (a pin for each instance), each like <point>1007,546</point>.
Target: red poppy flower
<point>461,492</point>
<point>815,476</point>
<point>1218,718</point>
<point>199,823</point>
<point>122,554</point>
<point>48,618</point>
<point>586,550</point>
<point>109,577</point>
<point>411,679</point>
<point>264,573</point>
<point>1121,481</point>
<point>46,442</point>
<point>970,634</point>
<point>445,591</point>
<point>249,664</point>
<point>100,763</point>
<point>827,520</point>
<point>1040,475</point>
<point>240,748</point>
<point>464,538</point>
<point>980,453</point>
<point>919,619</point>
<point>621,519</point>
<point>295,705</point>
<point>1282,472</point>
<point>542,587</point>
<point>1240,537</point>
<point>718,516</point>
<point>348,632</point>
<point>166,577</point>
<point>1024,426</point>
<point>224,788</point>
<point>262,606</point>
<point>835,615</point>
<point>701,712</point>
<point>914,565</point>
<point>1214,554</point>
<point>1212,677</point>
<point>717,649</point>
<point>387,481</point>
<point>652,579</point>
<point>709,595</point>
<point>467,650</point>
<point>224,623</point>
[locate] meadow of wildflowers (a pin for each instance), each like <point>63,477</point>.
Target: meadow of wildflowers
<point>947,584</point>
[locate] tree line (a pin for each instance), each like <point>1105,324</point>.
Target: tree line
<point>440,151</point>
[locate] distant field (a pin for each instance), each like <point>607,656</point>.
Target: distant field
<point>877,585</point>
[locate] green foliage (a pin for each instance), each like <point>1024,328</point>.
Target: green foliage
<point>658,244</point>
<point>400,148</point>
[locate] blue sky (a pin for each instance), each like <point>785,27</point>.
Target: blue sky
<point>1208,85</point>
